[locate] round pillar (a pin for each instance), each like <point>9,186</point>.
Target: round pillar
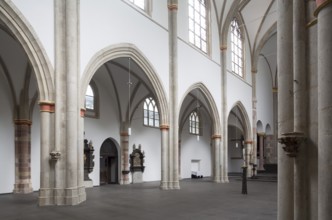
<point>285,107</point>
<point>324,16</point>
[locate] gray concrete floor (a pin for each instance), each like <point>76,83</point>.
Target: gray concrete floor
<point>198,199</point>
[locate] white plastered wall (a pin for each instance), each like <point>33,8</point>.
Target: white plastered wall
<point>192,149</point>
<point>264,94</point>
<point>106,126</point>
<point>40,15</point>
<point>7,156</point>
<point>35,149</point>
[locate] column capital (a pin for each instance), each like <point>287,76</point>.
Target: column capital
<point>216,136</point>
<point>254,71</point>
<point>274,89</point>
<point>248,142</point>
<point>164,127</point>
<point>124,133</point>
<point>82,112</point>
<point>223,47</point>
<point>47,106</point>
<point>172,7</point>
<point>320,5</point>
<point>22,122</point>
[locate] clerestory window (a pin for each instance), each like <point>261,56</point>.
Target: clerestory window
<point>198,24</point>
<point>236,48</point>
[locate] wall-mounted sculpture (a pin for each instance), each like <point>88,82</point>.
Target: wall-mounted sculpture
<point>88,162</point>
<point>137,164</point>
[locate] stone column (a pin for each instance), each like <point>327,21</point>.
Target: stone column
<point>80,158</point>
<point>285,107</point>
<point>46,143</point>
<point>254,117</point>
<point>324,16</point>
<point>312,86</point>
<point>216,140</point>
<point>261,152</point>
<point>164,129</point>
<point>300,100</point>
<point>248,157</point>
<point>173,93</point>
<point>124,157</point>
<point>224,123</point>
<point>22,156</point>
<point>66,97</point>
<point>275,124</point>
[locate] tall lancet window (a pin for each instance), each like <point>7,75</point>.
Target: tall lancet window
<point>198,24</point>
<point>91,101</point>
<point>194,123</point>
<point>151,114</point>
<point>236,48</point>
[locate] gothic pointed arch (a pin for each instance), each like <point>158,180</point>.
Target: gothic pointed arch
<point>244,118</point>
<point>130,51</point>
<point>212,107</point>
<point>19,27</point>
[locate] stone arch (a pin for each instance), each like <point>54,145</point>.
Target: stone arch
<point>126,50</point>
<point>25,35</point>
<point>212,105</point>
<point>259,127</point>
<point>268,130</point>
<point>244,118</point>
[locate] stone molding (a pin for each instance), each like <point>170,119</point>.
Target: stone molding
<point>321,4</point>
<point>22,122</point>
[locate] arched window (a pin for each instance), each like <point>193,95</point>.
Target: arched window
<point>194,123</point>
<point>198,24</point>
<point>236,48</point>
<point>91,101</point>
<point>89,98</point>
<point>151,114</point>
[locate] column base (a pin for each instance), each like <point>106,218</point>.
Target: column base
<point>163,185</point>
<point>46,197</point>
<point>22,188</point>
<point>69,196</point>
<point>88,183</point>
<point>175,185</point>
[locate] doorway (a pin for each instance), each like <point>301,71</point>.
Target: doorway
<point>109,173</point>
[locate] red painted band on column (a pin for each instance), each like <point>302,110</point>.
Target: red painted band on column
<point>216,136</point>
<point>82,112</point>
<point>172,7</point>
<point>46,106</point>
<point>164,127</point>
<point>248,142</point>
